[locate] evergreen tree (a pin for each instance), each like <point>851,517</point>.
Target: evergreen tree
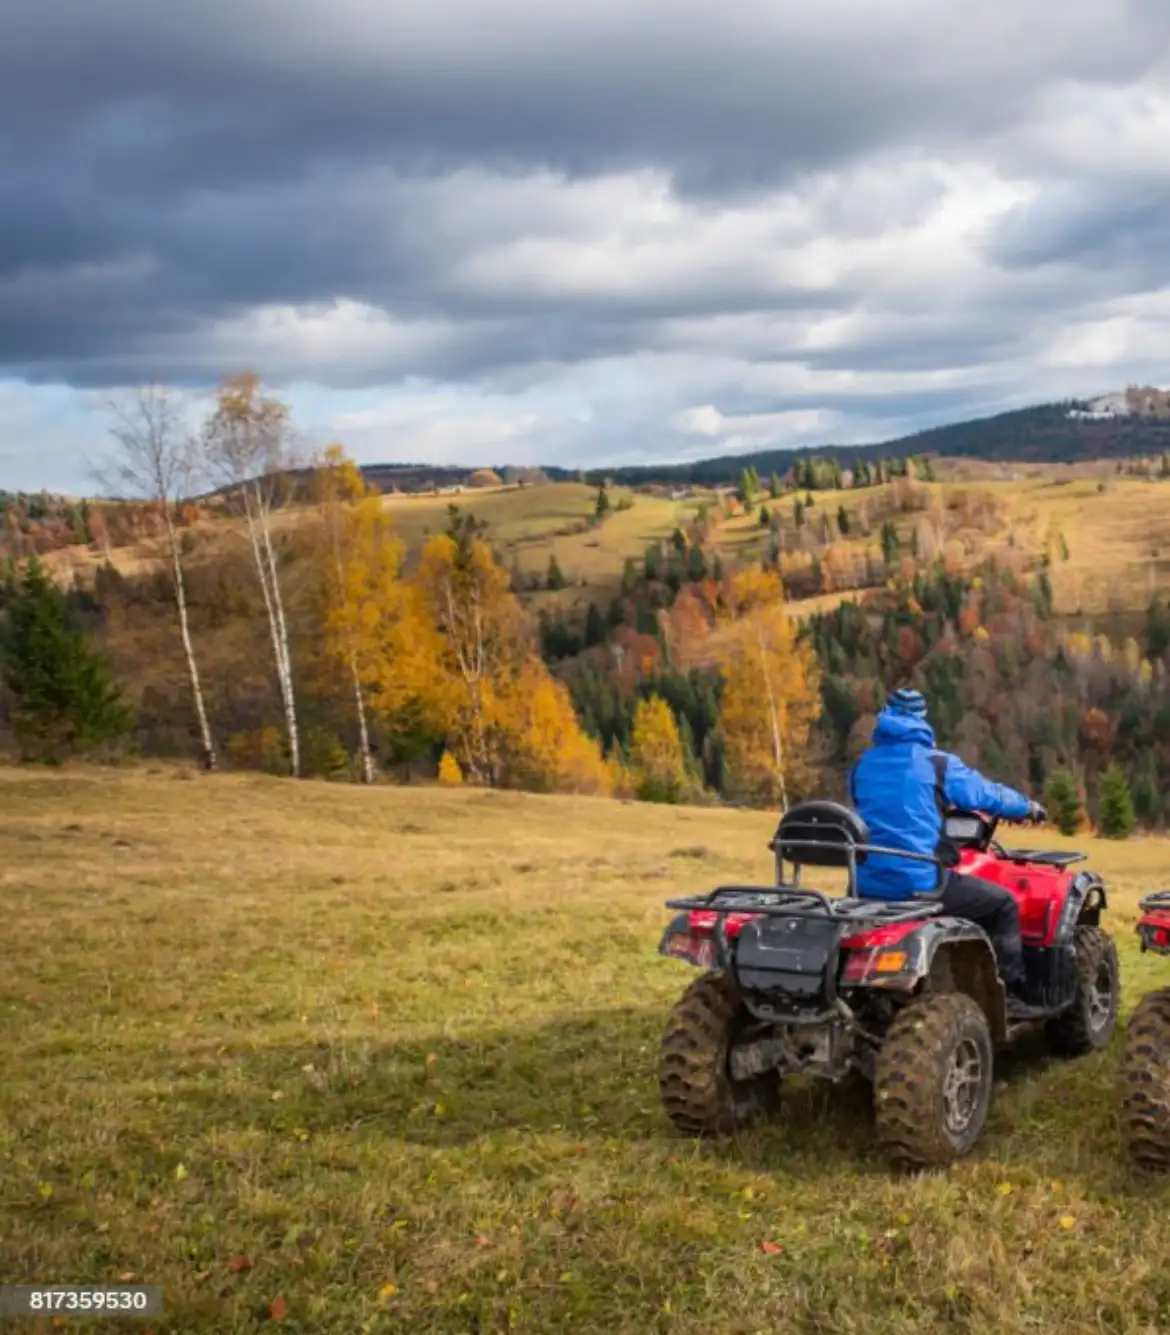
<point>1117,813</point>
<point>555,579</point>
<point>764,516</point>
<point>629,577</point>
<point>594,626</point>
<point>843,520</point>
<point>602,506</point>
<point>890,544</point>
<point>1147,792</point>
<point>798,513</point>
<point>1063,800</point>
<point>63,698</point>
<point>652,562</point>
<point>1157,628</point>
<point>774,488</point>
<point>696,564</point>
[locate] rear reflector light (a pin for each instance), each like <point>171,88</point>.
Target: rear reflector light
<point>862,965</point>
<point>702,921</point>
<point>891,961</point>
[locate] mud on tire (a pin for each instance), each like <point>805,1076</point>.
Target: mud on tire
<point>933,1082</point>
<point>1144,1082</point>
<point>1091,1022</point>
<point>694,1082</point>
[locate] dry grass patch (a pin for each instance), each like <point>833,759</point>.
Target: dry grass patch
<point>389,1055</point>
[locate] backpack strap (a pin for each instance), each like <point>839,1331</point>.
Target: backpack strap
<point>945,851</point>
<point>938,762</point>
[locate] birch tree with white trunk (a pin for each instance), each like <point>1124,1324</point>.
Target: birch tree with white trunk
<point>246,448</point>
<point>157,460</point>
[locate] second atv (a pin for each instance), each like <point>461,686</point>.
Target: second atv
<point>796,981</point>
<point>1144,1074</point>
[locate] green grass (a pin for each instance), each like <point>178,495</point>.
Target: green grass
<point>406,1037</point>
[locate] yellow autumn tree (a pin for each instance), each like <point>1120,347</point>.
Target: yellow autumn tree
<point>657,761</point>
<point>508,722</point>
<point>770,695</point>
<point>375,629</point>
<point>450,775</point>
<point>542,743</point>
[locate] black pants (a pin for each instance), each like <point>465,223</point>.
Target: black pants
<point>996,911</point>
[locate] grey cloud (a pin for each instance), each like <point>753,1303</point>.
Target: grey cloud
<point>1092,225</point>
<point>167,170</point>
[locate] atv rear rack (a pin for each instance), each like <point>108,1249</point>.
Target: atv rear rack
<point>789,901</point>
<point>1160,899</point>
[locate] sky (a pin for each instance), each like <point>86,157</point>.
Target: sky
<point>588,232</point>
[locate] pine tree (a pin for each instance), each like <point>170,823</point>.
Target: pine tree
<point>843,521</point>
<point>774,488</point>
<point>594,626</point>
<point>603,505</point>
<point>1147,792</point>
<point>1063,800</point>
<point>890,544</point>
<point>1117,813</point>
<point>798,513</point>
<point>63,698</point>
<point>696,564</point>
<point>555,579</point>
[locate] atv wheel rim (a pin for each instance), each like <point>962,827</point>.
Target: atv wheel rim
<point>962,1086</point>
<point>1100,997</point>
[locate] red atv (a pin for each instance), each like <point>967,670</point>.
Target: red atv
<point>800,982</point>
<point>1144,1075</point>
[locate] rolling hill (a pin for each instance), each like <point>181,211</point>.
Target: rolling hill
<point>1067,432</point>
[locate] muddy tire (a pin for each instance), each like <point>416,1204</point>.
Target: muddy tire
<point>694,1082</point>
<point>1091,1022</point>
<point>933,1081</point>
<point>1144,1083</point>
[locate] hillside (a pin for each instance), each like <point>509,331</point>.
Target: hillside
<point>1042,434</point>
<point>401,1078</point>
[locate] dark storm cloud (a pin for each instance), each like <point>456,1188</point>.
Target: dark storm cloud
<point>355,192</point>
<point>1093,226</point>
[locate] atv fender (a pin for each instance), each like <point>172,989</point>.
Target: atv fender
<point>1082,906</point>
<point>953,955</point>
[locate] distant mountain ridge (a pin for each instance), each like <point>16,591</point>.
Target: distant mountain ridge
<point>1072,431</point>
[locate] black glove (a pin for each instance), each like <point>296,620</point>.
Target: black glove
<point>1036,814</point>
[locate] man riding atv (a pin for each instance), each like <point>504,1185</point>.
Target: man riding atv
<point>902,787</point>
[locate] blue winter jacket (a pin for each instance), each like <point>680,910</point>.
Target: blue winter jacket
<point>895,791</point>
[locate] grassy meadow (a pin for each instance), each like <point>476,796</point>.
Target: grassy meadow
<point>337,1060</point>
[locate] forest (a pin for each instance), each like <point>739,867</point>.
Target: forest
<point>320,646</point>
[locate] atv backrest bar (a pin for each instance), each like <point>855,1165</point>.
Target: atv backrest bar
<point>1160,899</point>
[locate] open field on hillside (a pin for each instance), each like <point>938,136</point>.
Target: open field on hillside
<point>385,1059</point>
